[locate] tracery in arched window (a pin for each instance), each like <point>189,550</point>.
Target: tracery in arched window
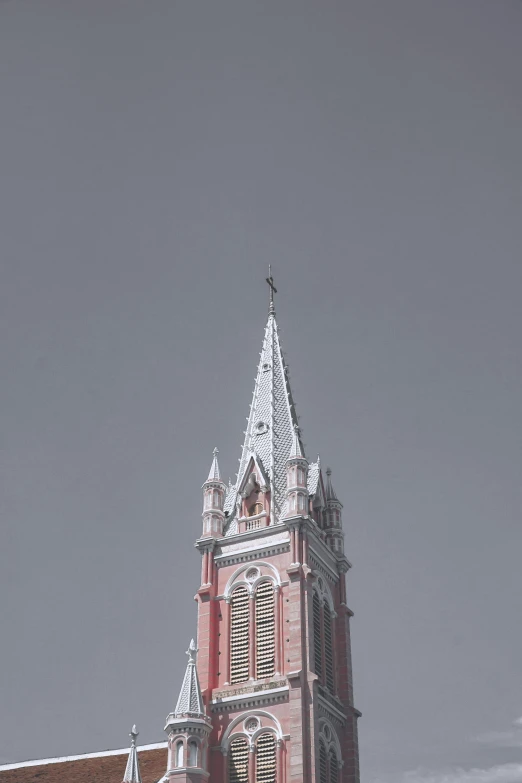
<point>265,630</point>
<point>238,761</point>
<point>239,637</point>
<point>266,759</point>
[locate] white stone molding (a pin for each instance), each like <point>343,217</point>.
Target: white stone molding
<point>247,556</point>
<point>266,572</point>
<point>268,724</point>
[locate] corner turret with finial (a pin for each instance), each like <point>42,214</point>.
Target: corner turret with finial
<point>297,498</point>
<point>214,490</point>
<point>333,521</point>
<point>188,729</point>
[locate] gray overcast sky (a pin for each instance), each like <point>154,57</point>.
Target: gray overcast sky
<point>155,157</point>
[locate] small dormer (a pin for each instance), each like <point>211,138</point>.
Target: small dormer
<point>254,495</point>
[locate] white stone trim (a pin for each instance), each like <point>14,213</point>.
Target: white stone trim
<point>240,719</point>
<point>250,700</point>
<point>248,555</point>
<point>234,581</point>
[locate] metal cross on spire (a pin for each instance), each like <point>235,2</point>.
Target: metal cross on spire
<point>273,290</point>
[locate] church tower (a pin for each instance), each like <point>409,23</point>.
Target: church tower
<point>274,697</point>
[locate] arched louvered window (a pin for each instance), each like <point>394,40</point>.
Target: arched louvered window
<point>238,761</point>
<point>323,764</point>
<point>179,753</point>
<point>266,759</point>
<point>193,753</point>
<point>333,768</point>
<point>239,639</point>
<point>318,643</point>
<point>328,648</point>
<point>265,628</point>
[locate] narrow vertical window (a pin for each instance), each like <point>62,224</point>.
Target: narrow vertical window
<point>239,638</point>
<point>193,753</point>
<point>266,759</point>
<point>265,627</point>
<point>238,764</point>
<point>328,649</point>
<point>323,764</point>
<point>333,766</point>
<point>179,754</point>
<point>318,645</point>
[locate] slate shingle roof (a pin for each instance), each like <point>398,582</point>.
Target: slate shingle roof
<point>271,421</point>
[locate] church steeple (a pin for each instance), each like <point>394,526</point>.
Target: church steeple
<point>272,417</point>
<point>273,622</point>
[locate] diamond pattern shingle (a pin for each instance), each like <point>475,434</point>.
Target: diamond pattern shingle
<point>271,421</point>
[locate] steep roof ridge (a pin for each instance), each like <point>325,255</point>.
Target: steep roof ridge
<point>190,699</point>
<point>132,770</point>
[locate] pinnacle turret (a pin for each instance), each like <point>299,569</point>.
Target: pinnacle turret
<point>214,490</point>
<point>296,449</point>
<point>214,474</point>
<point>132,770</point>
<point>333,523</point>
<point>188,729</point>
<point>190,701</point>
<point>329,490</point>
<point>297,497</point>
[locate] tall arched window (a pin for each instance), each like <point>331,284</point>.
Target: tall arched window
<point>328,648</point>
<point>323,641</point>
<point>239,638</point>
<point>318,643</point>
<point>179,753</point>
<point>266,759</point>
<point>193,753</point>
<point>265,628</point>
<point>238,761</point>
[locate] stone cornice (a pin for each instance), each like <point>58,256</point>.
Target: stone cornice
<point>250,698</point>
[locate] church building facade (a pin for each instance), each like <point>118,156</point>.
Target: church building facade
<point>272,698</point>
<point>267,695</point>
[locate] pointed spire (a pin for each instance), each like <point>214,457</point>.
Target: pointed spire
<point>329,491</point>
<point>190,700</point>
<point>296,448</point>
<point>214,474</point>
<point>270,429</point>
<point>132,770</point>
